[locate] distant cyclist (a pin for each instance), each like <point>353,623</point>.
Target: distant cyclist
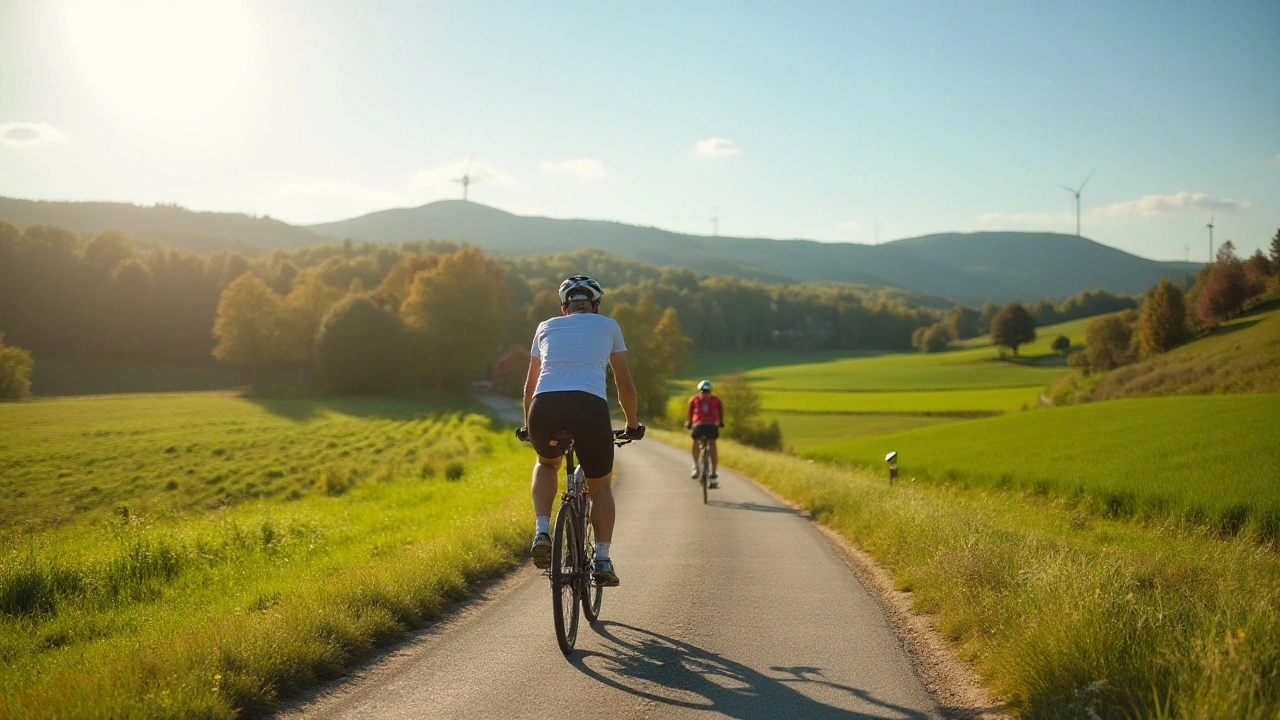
<point>565,390</point>
<point>705,416</point>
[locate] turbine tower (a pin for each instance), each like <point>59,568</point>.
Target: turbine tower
<point>1076,192</point>
<point>715,221</point>
<point>466,178</point>
<point>1210,226</point>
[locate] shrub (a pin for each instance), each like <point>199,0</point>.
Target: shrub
<point>15,372</point>
<point>1107,341</point>
<point>1061,344</point>
<point>454,470</point>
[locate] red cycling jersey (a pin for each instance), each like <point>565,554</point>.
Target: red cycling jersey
<point>705,409</point>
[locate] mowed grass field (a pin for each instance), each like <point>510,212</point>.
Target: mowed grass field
<point>1208,460</point>
<point>202,555</point>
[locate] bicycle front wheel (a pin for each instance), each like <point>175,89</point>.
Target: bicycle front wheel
<point>566,585</point>
<point>704,469</point>
<point>592,594</point>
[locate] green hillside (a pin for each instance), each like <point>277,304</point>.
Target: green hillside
<point>1201,458</point>
<point>1241,356</point>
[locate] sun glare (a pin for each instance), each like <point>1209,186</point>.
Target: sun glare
<point>162,59</point>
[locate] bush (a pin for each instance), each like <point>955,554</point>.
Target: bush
<point>758,434</point>
<point>1061,344</point>
<point>1107,343</point>
<point>15,372</point>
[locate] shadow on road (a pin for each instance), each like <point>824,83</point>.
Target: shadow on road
<point>757,507</point>
<point>670,672</point>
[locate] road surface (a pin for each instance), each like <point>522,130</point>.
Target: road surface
<point>735,609</point>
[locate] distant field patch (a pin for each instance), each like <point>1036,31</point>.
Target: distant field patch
<point>803,432</point>
<point>59,377</point>
<point>955,370</point>
<point>924,402</point>
<point>1208,459</point>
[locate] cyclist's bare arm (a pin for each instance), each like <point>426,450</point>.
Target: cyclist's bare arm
<point>626,388</point>
<point>530,384</point>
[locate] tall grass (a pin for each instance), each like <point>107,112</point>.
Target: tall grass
<point>162,602</point>
<point>1063,613</point>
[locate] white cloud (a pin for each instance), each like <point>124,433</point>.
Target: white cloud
<point>717,147</point>
<point>23,134</point>
<point>849,226</point>
<point>1181,202</point>
<point>586,168</point>
<point>445,178</point>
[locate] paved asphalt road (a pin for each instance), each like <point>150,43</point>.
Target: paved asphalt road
<point>736,609</point>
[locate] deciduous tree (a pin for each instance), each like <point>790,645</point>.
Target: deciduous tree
<point>1162,326</point>
<point>1107,342</point>
<point>742,405</point>
<point>361,347</point>
<point>249,324</point>
<point>1012,327</point>
<point>1061,345</point>
<point>1224,293</point>
<point>15,372</point>
<point>657,350</point>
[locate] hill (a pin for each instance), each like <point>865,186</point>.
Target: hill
<point>966,267</point>
<point>203,232</point>
<point>969,268</point>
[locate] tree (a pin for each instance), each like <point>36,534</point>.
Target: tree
<point>1162,326</point>
<point>1257,269</point>
<point>742,421</point>
<point>986,315</point>
<point>1224,294</point>
<point>1275,253</point>
<point>1106,342</point>
<point>657,349</point>
<point>454,312</point>
<point>15,372</point>
<point>931,338</point>
<point>1012,326</point>
<point>1061,345</point>
<point>248,325</point>
<point>302,312</point>
<point>962,322</point>
<point>362,346</point>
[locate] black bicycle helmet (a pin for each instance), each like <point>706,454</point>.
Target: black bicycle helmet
<point>580,286</point>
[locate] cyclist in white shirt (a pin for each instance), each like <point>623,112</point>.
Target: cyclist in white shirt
<point>565,391</point>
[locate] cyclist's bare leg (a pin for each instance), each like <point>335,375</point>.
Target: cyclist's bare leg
<point>602,510</point>
<point>695,451</point>
<point>545,483</point>
<point>715,455</point>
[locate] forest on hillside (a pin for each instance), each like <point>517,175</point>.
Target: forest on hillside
<point>105,297</point>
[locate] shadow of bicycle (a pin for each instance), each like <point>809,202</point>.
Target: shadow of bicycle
<point>754,507</point>
<point>669,672</point>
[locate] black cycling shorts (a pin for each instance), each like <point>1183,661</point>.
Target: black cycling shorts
<point>711,431</point>
<point>582,414</point>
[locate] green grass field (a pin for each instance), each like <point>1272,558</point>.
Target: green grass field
<point>65,377</point>
<point>1209,459</point>
<point>803,432</point>
<point>203,555</point>
<point>923,402</point>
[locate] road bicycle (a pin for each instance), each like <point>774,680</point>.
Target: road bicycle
<point>704,465</point>
<point>573,550</point>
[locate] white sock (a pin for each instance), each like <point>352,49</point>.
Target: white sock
<point>602,550</point>
<point>543,524</point>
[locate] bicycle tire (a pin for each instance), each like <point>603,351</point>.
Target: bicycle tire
<point>592,594</point>
<point>704,469</point>
<point>566,567</point>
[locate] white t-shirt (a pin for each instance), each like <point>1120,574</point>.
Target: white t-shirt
<point>575,352</point>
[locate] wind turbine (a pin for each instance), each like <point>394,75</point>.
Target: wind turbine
<point>466,178</point>
<point>1076,192</point>
<point>715,221</point>
<point>1212,216</point>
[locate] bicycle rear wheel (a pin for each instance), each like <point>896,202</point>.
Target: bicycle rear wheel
<point>704,470</point>
<point>566,585</point>
<point>592,594</point>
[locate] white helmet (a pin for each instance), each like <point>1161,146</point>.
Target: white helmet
<point>580,286</point>
<point>704,386</point>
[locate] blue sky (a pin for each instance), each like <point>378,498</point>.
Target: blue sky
<point>830,121</point>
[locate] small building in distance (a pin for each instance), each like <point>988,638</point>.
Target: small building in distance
<point>508,371</point>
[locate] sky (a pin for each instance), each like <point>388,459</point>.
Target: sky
<point>842,121</point>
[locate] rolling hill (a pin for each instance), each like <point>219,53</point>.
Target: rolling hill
<point>970,268</point>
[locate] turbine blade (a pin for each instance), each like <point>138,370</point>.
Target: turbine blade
<point>1070,190</point>
<point>1086,180</point>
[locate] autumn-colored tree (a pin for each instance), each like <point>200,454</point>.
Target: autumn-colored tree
<point>1275,253</point>
<point>962,322</point>
<point>1257,270</point>
<point>361,347</point>
<point>657,349</point>
<point>249,324</point>
<point>1107,342</point>
<point>931,338</point>
<point>302,312</point>
<point>1061,345</point>
<point>454,312</point>
<point>1224,293</point>
<point>15,372</point>
<point>398,281</point>
<point>1162,326</point>
<point>1012,326</point>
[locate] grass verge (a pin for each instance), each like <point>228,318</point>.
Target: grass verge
<point>1062,613</point>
